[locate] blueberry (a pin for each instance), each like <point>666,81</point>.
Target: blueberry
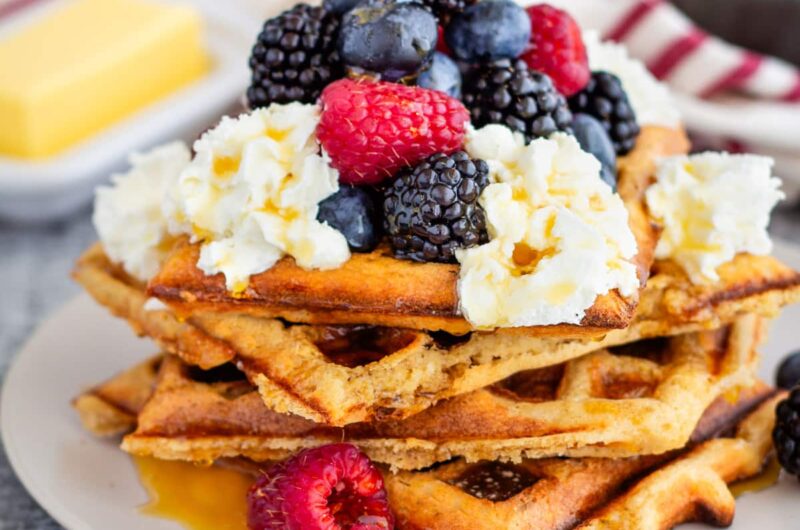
<point>595,140</point>
<point>353,212</point>
<point>340,7</point>
<point>388,38</point>
<point>443,75</point>
<point>489,30</point>
<point>788,375</point>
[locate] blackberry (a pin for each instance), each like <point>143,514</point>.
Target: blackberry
<point>445,9</point>
<point>786,435</point>
<point>432,210</point>
<point>295,57</point>
<point>605,99</point>
<point>509,93</point>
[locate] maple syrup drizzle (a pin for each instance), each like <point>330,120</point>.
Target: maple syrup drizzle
<point>215,498</point>
<point>198,498</point>
<point>766,479</point>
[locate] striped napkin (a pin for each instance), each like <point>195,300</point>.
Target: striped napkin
<point>730,98</point>
<point>9,6</point>
<point>678,52</point>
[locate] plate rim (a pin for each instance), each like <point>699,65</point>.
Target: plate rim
<point>61,515</point>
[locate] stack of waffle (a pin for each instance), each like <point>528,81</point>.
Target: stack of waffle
<point>472,426</point>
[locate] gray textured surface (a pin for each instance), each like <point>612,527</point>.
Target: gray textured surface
<point>34,267</point>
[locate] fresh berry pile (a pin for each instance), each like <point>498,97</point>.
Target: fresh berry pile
<point>786,435</point>
<point>334,487</point>
<point>398,83</point>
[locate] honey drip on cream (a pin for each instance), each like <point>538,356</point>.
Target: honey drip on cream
<point>197,497</point>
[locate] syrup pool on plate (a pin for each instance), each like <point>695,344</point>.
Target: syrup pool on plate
<point>766,479</point>
<point>197,497</point>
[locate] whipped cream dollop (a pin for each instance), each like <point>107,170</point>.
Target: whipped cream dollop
<point>559,235</point>
<point>651,99</point>
<point>713,206</point>
<point>128,215</point>
<point>251,195</point>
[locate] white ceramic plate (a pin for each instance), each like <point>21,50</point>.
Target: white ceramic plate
<point>87,484</point>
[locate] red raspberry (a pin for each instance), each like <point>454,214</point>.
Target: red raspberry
<point>333,487</point>
<point>557,49</point>
<point>372,129</point>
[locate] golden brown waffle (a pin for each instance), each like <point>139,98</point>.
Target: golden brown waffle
<point>378,289</point>
<point>656,493</point>
<point>378,373</point>
<point>111,408</point>
<point>644,400</point>
<point>651,492</point>
<point>112,288</point>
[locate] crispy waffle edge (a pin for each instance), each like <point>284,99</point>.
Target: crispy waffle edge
<point>641,407</point>
<point>286,365</point>
<point>380,290</point>
<point>654,492</point>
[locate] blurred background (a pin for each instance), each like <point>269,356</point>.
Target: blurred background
<point>63,131</point>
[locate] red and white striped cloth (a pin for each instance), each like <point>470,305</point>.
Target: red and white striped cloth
<point>7,7</point>
<point>677,51</point>
<point>730,98</point>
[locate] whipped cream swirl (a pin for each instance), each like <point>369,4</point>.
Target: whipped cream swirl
<point>559,235</point>
<point>252,192</point>
<point>713,206</point>
<point>128,215</point>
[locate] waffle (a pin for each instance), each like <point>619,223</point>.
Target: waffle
<point>125,297</point>
<point>377,289</point>
<point>111,408</point>
<point>402,372</point>
<point>654,492</point>
<point>646,399</point>
<point>647,492</point>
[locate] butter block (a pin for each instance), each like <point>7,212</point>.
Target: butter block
<point>88,65</point>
